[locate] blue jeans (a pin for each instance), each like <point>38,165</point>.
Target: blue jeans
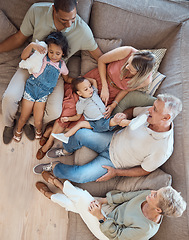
<point>89,172</point>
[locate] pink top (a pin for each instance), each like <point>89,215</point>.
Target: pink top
<point>63,70</point>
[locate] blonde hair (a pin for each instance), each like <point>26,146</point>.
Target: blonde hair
<point>171,202</point>
<point>143,62</point>
<point>172,104</point>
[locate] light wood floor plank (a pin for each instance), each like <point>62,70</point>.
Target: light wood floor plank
<point>25,214</point>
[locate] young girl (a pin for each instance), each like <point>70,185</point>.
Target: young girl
<point>40,85</point>
<point>93,109</point>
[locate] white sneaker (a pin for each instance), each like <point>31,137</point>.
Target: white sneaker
<point>61,137</point>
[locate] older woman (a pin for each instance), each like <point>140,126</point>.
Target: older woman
<point>120,215</point>
<point>120,71</point>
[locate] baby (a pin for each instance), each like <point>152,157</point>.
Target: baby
<point>93,109</point>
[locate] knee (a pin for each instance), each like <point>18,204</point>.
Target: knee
<point>38,123</point>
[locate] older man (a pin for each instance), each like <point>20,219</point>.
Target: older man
<point>40,20</point>
<point>126,152</point>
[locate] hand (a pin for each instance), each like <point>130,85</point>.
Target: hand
<point>38,48</point>
<point>124,123</point>
<point>119,117</point>
<point>104,95</point>
<point>102,200</point>
<point>95,209</point>
<point>108,112</point>
<point>64,119</point>
<point>110,174</point>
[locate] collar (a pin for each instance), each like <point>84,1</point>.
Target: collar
<point>159,135</point>
<point>81,99</point>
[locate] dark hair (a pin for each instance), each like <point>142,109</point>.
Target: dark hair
<point>75,83</point>
<point>59,39</point>
<point>65,5</point>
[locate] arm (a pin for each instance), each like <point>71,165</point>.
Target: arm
<point>71,119</point>
<point>27,51</point>
<point>13,42</point>
<point>114,55</point>
<point>131,172</point>
<point>96,53</point>
<point>93,82</point>
<point>118,98</point>
<point>67,78</point>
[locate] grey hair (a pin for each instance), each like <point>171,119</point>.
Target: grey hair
<point>171,202</point>
<point>172,104</point>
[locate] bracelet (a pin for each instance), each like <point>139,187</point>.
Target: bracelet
<point>115,102</point>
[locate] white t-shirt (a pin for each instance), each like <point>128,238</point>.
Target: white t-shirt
<point>141,147</point>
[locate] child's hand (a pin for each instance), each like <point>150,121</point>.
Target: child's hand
<point>108,112</point>
<point>38,47</point>
<point>64,119</point>
<point>124,123</point>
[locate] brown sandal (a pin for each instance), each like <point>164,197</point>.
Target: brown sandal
<point>40,154</point>
<point>49,178</point>
<point>43,188</point>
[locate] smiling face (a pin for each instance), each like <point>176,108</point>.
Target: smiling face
<point>54,52</point>
<point>64,19</point>
<point>158,113</point>
<point>85,89</point>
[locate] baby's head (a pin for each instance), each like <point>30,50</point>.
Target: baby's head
<point>82,87</point>
<point>57,46</point>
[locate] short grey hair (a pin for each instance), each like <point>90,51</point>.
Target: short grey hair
<point>171,202</point>
<point>172,104</point>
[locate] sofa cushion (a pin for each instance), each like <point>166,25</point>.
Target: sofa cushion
<point>138,22</point>
<point>88,62</point>
<point>6,30</point>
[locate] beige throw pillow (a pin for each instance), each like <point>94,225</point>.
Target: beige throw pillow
<point>88,62</point>
<point>157,77</point>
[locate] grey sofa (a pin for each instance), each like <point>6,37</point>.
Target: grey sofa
<point>143,24</point>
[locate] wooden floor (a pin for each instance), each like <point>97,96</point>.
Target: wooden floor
<point>25,214</point>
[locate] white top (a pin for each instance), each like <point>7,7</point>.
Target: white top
<point>141,147</point>
<point>39,23</point>
<point>92,108</point>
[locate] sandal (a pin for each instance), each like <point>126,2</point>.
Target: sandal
<point>38,135</point>
<point>43,188</point>
<point>17,136</point>
<point>49,178</point>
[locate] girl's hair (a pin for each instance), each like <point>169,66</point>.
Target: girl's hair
<point>143,62</point>
<point>75,83</point>
<point>59,39</point>
<point>171,202</point>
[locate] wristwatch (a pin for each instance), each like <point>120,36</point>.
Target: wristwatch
<point>101,220</point>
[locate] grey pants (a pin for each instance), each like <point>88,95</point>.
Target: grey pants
<point>13,95</point>
<point>134,99</point>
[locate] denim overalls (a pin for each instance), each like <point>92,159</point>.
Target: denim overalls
<point>37,89</point>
